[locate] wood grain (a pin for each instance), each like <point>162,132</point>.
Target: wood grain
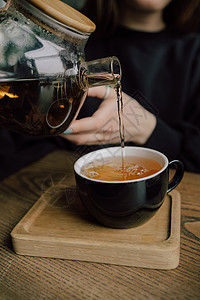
<point>58,226</point>
<point>25,277</point>
<point>65,14</point>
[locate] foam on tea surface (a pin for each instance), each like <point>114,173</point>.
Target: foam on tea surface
<point>111,169</point>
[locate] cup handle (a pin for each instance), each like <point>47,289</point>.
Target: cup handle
<point>177,176</point>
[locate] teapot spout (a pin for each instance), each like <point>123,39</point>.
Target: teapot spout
<point>104,71</point>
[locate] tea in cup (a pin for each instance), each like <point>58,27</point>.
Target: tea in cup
<point>122,191</point>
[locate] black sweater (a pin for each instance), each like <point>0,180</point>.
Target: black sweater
<point>160,70</point>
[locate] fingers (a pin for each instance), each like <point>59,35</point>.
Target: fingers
<point>102,126</point>
<point>93,138</point>
<point>93,124</point>
<point>101,92</point>
<point>107,111</point>
<point>82,125</point>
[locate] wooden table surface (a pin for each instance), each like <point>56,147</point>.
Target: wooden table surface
<point>24,277</point>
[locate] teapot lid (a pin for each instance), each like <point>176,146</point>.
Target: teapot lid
<point>62,13</point>
<point>65,14</point>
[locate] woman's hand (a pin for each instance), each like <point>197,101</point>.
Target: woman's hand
<point>103,126</point>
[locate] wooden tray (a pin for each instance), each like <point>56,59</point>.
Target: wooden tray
<point>57,226</point>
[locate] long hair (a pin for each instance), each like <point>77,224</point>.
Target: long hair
<point>179,15</point>
<point>183,15</point>
<point>104,13</point>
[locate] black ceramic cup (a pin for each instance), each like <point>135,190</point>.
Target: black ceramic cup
<point>130,203</point>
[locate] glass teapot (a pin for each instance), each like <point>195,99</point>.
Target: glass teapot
<point>43,75</point>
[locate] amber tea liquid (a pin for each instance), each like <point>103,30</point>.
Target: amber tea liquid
<point>118,89</point>
<point>39,106</point>
<point>111,168</point>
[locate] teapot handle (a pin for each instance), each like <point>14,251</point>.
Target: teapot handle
<point>6,6</point>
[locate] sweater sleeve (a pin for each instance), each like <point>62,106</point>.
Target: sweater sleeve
<point>181,139</point>
<point>182,142</point>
